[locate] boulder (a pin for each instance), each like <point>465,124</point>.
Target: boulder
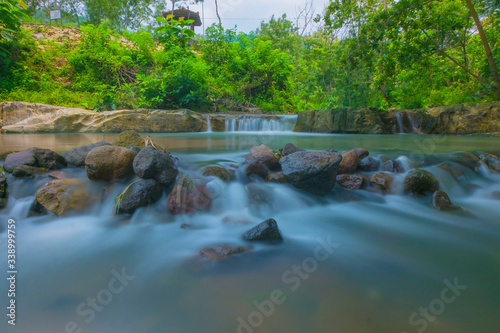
<point>4,154</point>
<point>139,194</point>
<point>290,148</point>
<point>466,159</point>
<point>129,138</point>
<point>362,152</point>
<point>222,251</point>
<point>441,201</point>
<point>76,156</point>
<point>313,172</point>
<point>351,182</point>
<point>369,164</point>
<point>23,171</point>
<point>383,181</point>
<point>266,231</point>
<point>261,160</point>
<point>36,157</point>
<point>421,182</point>
<point>109,162</point>
<point>276,177</point>
<point>188,197</point>
<point>217,171</point>
<point>63,195</point>
<point>153,164</point>
<point>392,166</point>
<point>349,162</point>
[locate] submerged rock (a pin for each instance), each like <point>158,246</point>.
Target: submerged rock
<point>76,156</point>
<point>129,138</point>
<point>314,172</point>
<point>139,194</point>
<point>222,251</point>
<point>63,195</point>
<point>217,171</point>
<point>440,200</point>
<point>466,159</point>
<point>109,162</point>
<point>492,161</point>
<point>58,175</point>
<point>265,231</point>
<point>351,182</point>
<point>276,177</point>
<point>23,171</point>
<point>35,157</point>
<point>349,162</point>
<point>369,164</point>
<point>188,197</point>
<point>392,166</point>
<point>421,182</point>
<point>153,164</point>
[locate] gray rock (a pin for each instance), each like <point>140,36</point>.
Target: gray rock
<point>369,163</point>
<point>36,157</point>
<point>290,148</point>
<point>392,166</point>
<point>76,156</point>
<point>362,152</point>
<point>140,194</point>
<point>267,231</point>
<point>153,164</point>
<point>421,182</point>
<point>314,172</point>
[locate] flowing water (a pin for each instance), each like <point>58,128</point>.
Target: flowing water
<point>351,262</point>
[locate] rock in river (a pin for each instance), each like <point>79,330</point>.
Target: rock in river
<point>349,162</point>
<point>188,197</point>
<point>109,162</point>
<point>140,194</point>
<point>266,231</point>
<point>421,182</point>
<point>261,160</point>
<point>440,200</point>
<point>217,171</point>
<point>314,172</point>
<point>153,164</point>
<point>76,156</point>
<point>129,138</point>
<point>222,251</point>
<point>36,157</point>
<point>351,182</point>
<point>62,195</point>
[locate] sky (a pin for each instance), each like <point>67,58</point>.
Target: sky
<point>247,14</point>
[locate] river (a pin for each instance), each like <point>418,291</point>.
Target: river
<point>355,263</point>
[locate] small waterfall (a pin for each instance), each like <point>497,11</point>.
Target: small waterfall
<point>260,123</point>
<point>399,126</point>
<point>209,125</point>
<point>405,123</point>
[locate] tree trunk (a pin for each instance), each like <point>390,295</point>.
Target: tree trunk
<point>486,46</point>
<point>217,11</point>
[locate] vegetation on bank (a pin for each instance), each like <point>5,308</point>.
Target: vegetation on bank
<point>402,54</point>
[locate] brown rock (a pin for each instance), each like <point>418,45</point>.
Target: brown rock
<point>276,177</point>
<point>362,152</point>
<point>351,182</point>
<point>58,175</point>
<point>63,195</point>
<point>383,181</point>
<point>109,162</point>
<point>188,197</point>
<point>349,162</point>
<point>217,171</point>
<point>264,155</point>
<point>440,200</point>
<point>129,138</point>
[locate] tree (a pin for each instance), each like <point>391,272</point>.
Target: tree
<point>486,46</point>
<point>11,17</point>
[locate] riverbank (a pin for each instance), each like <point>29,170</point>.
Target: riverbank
<point>460,119</point>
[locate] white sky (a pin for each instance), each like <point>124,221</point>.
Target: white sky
<point>247,14</point>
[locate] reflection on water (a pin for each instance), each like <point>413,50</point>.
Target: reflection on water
<point>230,142</point>
<point>392,256</point>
